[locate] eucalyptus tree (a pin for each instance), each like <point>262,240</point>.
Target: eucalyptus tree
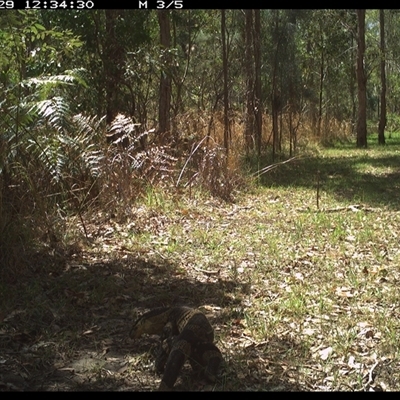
<point>227,138</point>
<point>112,53</point>
<point>249,76</point>
<point>393,63</point>
<point>164,107</point>
<point>258,100</point>
<point>252,64</point>
<point>327,59</point>
<point>283,66</point>
<point>382,119</point>
<point>361,81</point>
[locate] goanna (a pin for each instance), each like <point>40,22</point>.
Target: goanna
<point>185,334</point>
<point>205,359</point>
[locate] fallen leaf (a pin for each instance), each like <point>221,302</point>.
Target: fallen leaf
<point>325,353</point>
<point>352,364</point>
<point>308,331</point>
<point>344,292</point>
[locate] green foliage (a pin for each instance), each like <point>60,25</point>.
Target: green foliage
<point>393,123</point>
<point>312,49</point>
<point>316,247</point>
<point>60,73</point>
<point>71,157</point>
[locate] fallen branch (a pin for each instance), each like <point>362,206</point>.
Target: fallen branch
<point>353,207</point>
<point>272,166</point>
<point>204,271</point>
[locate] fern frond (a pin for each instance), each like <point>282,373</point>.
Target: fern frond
<point>73,76</point>
<point>48,80</point>
<point>90,127</point>
<point>44,85</point>
<point>123,128</point>
<point>79,76</point>
<point>55,111</point>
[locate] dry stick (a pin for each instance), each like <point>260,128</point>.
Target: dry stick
<point>83,224</point>
<point>370,377</point>
<point>204,271</point>
<point>80,209</point>
<point>190,156</point>
<point>273,166</point>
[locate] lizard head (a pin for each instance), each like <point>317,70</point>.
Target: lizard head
<point>151,323</point>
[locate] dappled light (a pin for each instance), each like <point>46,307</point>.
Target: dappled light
<point>234,167</point>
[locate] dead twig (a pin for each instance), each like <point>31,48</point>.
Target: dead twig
<point>189,158</point>
<point>273,166</point>
<point>204,271</point>
<point>370,376</point>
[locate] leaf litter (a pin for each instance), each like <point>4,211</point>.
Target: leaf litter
<point>296,302</point>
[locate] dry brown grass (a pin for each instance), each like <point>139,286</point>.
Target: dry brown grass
<point>300,298</point>
<point>34,204</point>
<point>261,264</point>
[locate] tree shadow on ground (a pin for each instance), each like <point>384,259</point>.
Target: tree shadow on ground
<point>67,327</point>
<point>344,178</point>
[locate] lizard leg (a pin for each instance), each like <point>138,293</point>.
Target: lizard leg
<point>162,353</point>
<point>207,358</point>
<point>179,353</point>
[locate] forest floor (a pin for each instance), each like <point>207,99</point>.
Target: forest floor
<point>301,296</point>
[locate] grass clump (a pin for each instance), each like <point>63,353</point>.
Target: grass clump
<point>302,294</point>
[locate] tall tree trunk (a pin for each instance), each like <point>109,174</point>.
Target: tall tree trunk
<point>249,118</point>
<point>113,59</point>
<point>321,84</point>
<point>257,88</point>
<point>225,75</point>
<point>178,76</point>
<point>165,80</point>
<point>275,95</point>
<point>292,104</point>
<point>361,81</point>
<point>352,87</point>
<point>382,120</point>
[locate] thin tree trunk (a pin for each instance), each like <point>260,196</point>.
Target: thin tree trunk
<point>321,87</point>
<point>165,80</point>
<point>225,75</point>
<point>257,88</point>
<point>249,119</point>
<point>352,87</point>
<point>382,119</point>
<point>112,64</point>
<point>361,81</point>
<point>276,98</point>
